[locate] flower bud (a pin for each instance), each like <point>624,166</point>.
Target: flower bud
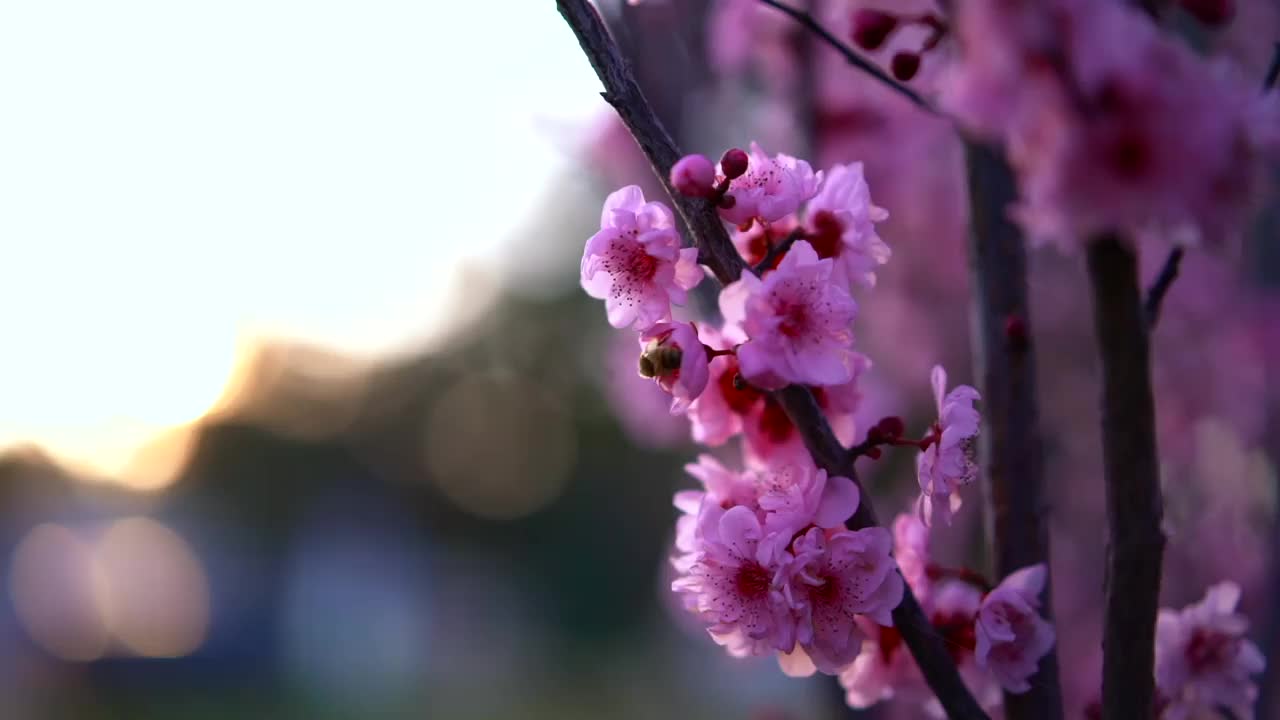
<point>890,427</point>
<point>904,66</point>
<point>694,175</point>
<point>872,27</point>
<point>733,163</point>
<point>1210,12</point>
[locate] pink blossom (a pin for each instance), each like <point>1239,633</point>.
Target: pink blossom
<point>675,358</point>
<point>635,263</point>
<point>836,577</point>
<point>797,322</point>
<point>771,440</point>
<point>884,669</point>
<point>947,464</point>
<point>794,497</point>
<point>1108,121</point>
<point>716,415</point>
<point>911,549</point>
<point>1204,659</point>
<point>736,584</point>
<point>771,189</point>
<point>840,221</point>
<point>721,486</point>
<point>1011,635</point>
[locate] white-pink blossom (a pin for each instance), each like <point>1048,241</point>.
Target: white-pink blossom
<point>770,189</point>
<point>1204,660</point>
<point>1011,635</point>
<point>635,262</point>
<point>947,464</point>
<point>840,224</point>
<point>797,322</point>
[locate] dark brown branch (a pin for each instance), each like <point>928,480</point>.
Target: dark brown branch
<point>1135,546</point>
<point>850,55</point>
<point>1160,287</point>
<point>715,248</point>
<point>1011,443</point>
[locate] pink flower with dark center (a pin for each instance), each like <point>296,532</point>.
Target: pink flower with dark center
<point>770,189</point>
<point>837,576</point>
<point>797,322</point>
<point>947,464</point>
<point>674,357</point>
<point>736,584</point>
<point>635,263</point>
<point>1204,660</point>
<point>840,224</point>
<point>1011,635</point>
<point>885,669</point>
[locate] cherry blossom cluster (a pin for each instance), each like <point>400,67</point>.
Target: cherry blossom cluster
<point>996,635</point>
<point>763,554</point>
<point>1110,123</point>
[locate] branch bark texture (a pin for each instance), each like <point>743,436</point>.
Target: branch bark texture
<point>1012,454</point>
<point>718,253</point>
<point>1134,506</point>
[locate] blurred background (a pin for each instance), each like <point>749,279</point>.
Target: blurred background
<point>303,414</point>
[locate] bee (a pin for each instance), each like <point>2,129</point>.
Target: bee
<point>659,360</point>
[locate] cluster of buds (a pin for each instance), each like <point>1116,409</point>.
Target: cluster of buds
<point>871,29</point>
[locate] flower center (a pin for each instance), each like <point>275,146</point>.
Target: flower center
<point>889,641</point>
<point>1208,650</point>
<point>739,401</point>
<point>774,423</point>
<point>752,581</point>
<point>825,237</point>
<point>958,631</point>
<point>640,265</point>
<point>795,320</point>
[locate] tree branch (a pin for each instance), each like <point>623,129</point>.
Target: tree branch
<point>1160,288</point>
<point>1011,444</point>
<point>850,55</point>
<point>1273,72</point>
<point>715,248</point>
<point>1134,505</point>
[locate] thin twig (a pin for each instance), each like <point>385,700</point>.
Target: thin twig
<point>850,55</point>
<point>621,91</point>
<point>776,251</point>
<point>1160,288</point>
<point>1273,73</point>
<point>1012,449</point>
<point>1135,546</point>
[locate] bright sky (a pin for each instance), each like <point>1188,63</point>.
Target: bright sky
<point>180,178</point>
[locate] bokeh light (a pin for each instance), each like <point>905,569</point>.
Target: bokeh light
<point>136,588</point>
<point>499,447</point>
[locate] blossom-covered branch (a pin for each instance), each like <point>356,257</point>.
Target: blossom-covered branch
<point>1136,540</point>
<point>1011,449</point>
<point>717,251</point>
